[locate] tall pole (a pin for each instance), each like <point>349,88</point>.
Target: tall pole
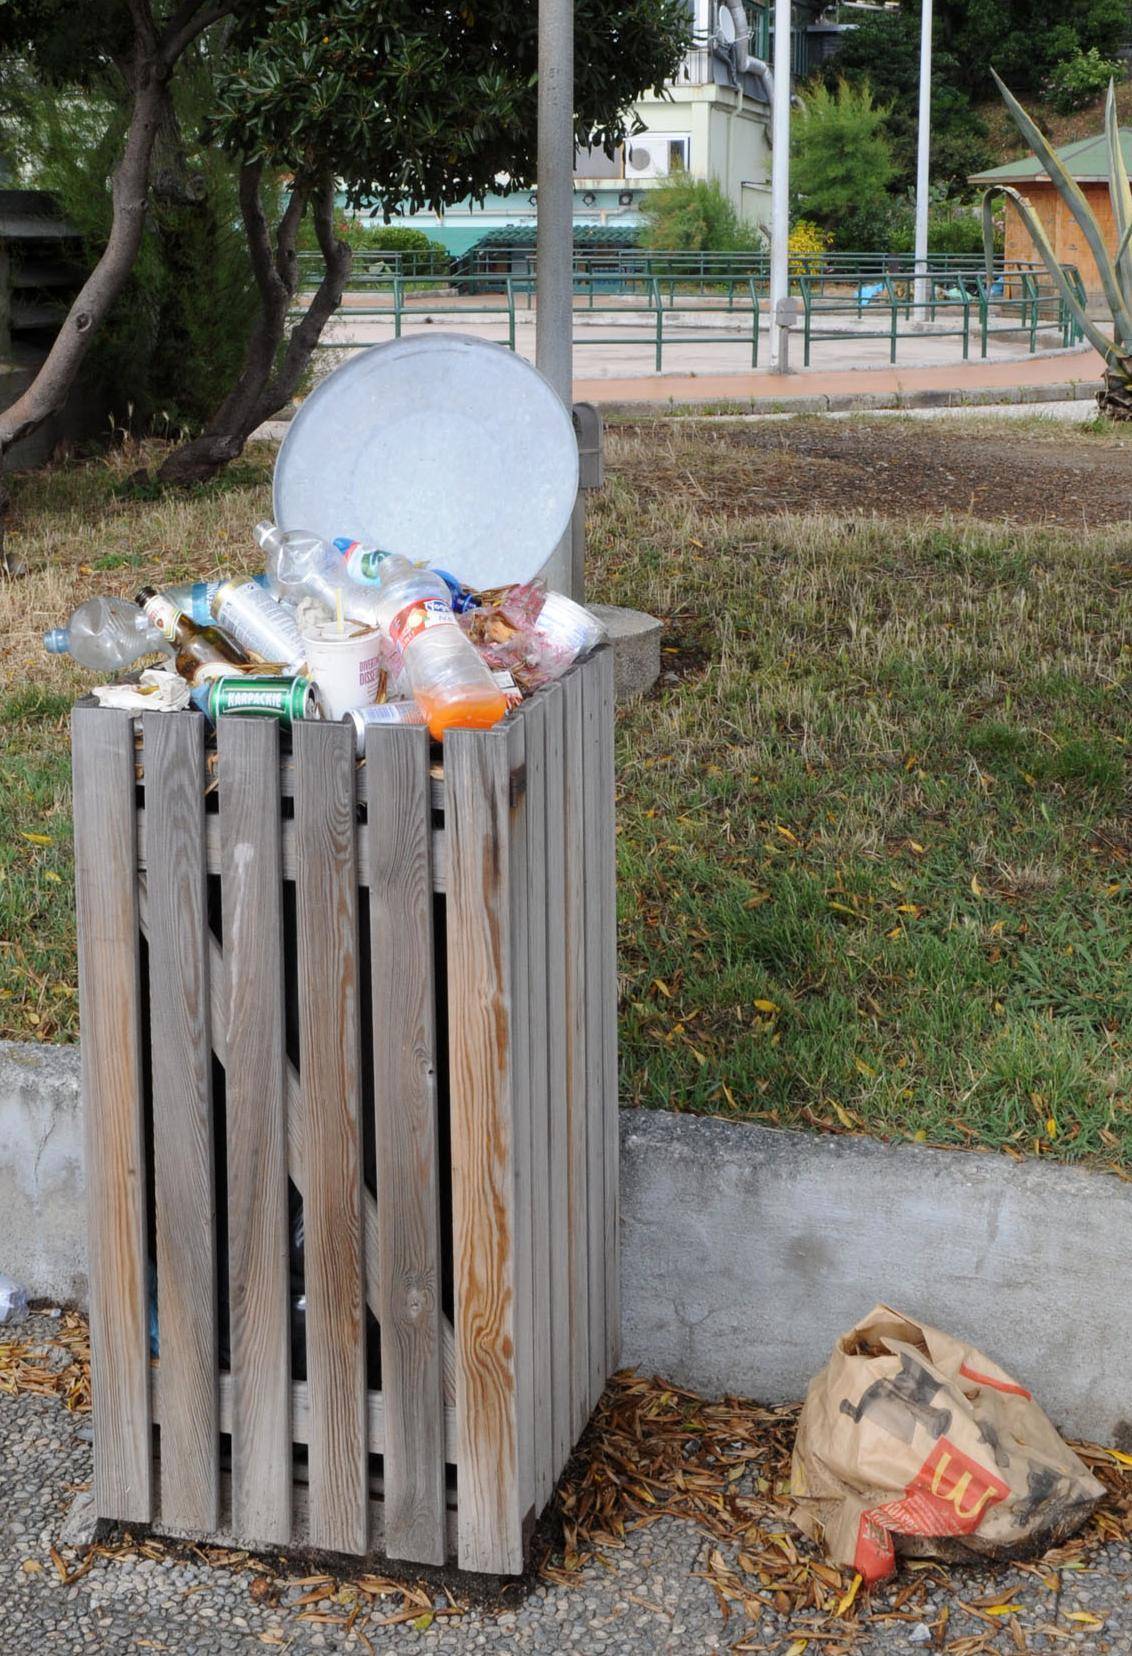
<point>923,155</point>
<point>554,251</point>
<point>780,171</point>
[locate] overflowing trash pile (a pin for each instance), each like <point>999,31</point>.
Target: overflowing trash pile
<point>337,630</point>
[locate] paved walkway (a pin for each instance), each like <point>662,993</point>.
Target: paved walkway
<point>1030,373</point>
<point>652,1597</point>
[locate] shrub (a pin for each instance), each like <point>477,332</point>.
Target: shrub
<point>428,256</point>
<point>693,215</point>
<point>842,161</point>
<point>1080,80</point>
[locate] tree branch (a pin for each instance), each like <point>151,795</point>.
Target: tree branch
<point>261,391</point>
<point>189,21</point>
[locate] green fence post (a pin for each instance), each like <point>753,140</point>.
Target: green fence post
<point>966,319</point>
<point>894,306</point>
<point>396,307</point>
<point>510,313</point>
<point>754,323</point>
<point>659,305</point>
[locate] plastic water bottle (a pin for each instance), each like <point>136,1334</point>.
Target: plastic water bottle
<point>105,635</point>
<point>451,685</point>
<point>301,564</point>
<point>194,598</point>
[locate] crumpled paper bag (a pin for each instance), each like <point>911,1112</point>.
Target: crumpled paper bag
<point>157,690</point>
<point>912,1441</point>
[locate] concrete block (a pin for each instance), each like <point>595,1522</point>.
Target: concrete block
<point>42,1192</point>
<point>635,638</point>
<point>746,1251</point>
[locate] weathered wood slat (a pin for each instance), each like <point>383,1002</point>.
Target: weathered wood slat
<point>520,999</point>
<point>110,999</point>
<point>299,1406</point>
<point>408,1191</point>
<point>538,1014</point>
<point>296,1112</point>
<point>574,1030</point>
<point>558,1139</point>
<point>258,1259</point>
<point>593,829</point>
<point>603,667</point>
<point>478,781</point>
<point>290,855</point>
<point>327,902</point>
<point>181,1062</point>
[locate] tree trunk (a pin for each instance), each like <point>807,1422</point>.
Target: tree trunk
<point>154,57</point>
<point>1114,400</point>
<point>267,382</point>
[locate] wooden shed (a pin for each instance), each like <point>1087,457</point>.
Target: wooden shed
<point>1087,162</point>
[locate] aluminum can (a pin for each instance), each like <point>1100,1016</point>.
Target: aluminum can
<point>285,699</point>
<point>259,622</point>
<point>382,713</point>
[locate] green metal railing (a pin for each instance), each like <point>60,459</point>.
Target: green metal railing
<point>838,301</point>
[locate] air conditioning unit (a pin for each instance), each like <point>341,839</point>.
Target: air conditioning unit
<point>654,156</point>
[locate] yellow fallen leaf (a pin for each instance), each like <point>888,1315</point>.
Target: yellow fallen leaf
<point>766,1006</point>
<point>975,886</point>
<point>31,1566</point>
<point>1051,1128</point>
<point>914,845</point>
<point>423,1623</point>
<point>36,839</point>
<point>848,1598</point>
<point>1119,1456</point>
<point>999,1609</point>
<point>843,1116</point>
<point>50,874</point>
<point>863,1068</point>
<point>663,987</point>
<point>786,834</point>
<point>797,1647</point>
<point>920,1136</point>
<point>1084,1618</point>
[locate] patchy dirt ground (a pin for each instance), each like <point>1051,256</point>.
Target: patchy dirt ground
<point>895,468</point>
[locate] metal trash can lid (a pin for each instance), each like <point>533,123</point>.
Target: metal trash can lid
<point>448,449</point>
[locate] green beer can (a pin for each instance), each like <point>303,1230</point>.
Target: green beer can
<point>285,699</point>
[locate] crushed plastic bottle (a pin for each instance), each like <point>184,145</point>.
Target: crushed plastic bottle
<point>450,683</point>
<point>105,635</point>
<point>13,1301</point>
<point>301,564</point>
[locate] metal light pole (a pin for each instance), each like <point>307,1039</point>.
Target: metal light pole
<point>923,152</point>
<point>780,172</point>
<point>554,252</point>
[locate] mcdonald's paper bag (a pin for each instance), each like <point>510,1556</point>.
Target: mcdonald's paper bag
<point>912,1441</point>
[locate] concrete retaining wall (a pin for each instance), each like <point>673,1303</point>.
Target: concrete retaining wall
<point>745,1251</point>
<point>42,1206</point>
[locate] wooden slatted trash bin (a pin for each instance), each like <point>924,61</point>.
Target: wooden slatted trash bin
<point>379,999</point>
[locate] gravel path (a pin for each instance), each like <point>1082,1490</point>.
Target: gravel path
<point>654,1597</point>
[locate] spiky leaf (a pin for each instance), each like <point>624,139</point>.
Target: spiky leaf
<point>1119,191</point>
<point>1041,241</point>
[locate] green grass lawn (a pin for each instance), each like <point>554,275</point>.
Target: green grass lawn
<point>875,837</point>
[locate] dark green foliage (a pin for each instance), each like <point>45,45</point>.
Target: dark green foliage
<point>694,215</point>
<point>884,50</point>
<point>1024,39</point>
<point>455,87</point>
<point>426,257</point>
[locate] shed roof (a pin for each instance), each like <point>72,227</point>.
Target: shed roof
<point>1086,160</point>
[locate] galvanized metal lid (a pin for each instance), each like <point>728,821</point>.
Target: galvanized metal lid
<point>450,450</point>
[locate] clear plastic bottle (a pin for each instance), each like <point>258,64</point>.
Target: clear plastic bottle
<point>300,564</point>
<point>451,685</point>
<point>194,598</point>
<point>105,635</point>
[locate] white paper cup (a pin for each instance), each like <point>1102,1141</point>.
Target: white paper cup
<point>345,670</point>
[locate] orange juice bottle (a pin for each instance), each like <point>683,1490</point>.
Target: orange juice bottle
<point>453,688</point>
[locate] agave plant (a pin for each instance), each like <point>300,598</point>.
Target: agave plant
<point>1115,400</point>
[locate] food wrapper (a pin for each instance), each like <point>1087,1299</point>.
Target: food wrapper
<point>914,1442</point>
